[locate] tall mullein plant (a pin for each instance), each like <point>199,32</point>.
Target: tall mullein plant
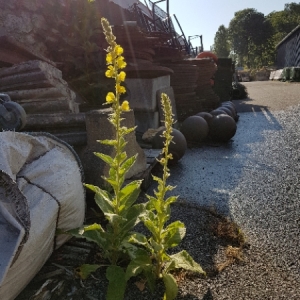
<point>165,235</point>
<point>118,206</point>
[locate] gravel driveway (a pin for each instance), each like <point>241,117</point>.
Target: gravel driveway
<point>254,178</point>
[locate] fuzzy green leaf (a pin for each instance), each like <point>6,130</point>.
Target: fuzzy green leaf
<point>149,220</point>
<point>140,262</point>
<point>106,158</point>
<point>126,166</point>
<point>156,246</point>
<point>156,204</point>
<point>96,235</point>
<point>132,217</point>
<point>159,180</point>
<point>171,199</point>
<point>85,270</point>
<point>108,142</point>
<point>120,157</point>
<point>123,142</point>
<point>182,260</point>
<point>173,234</point>
<point>114,219</point>
<point>116,282</point>
<point>171,287</point>
<point>139,239</point>
<point>102,198</point>
<point>129,194</point>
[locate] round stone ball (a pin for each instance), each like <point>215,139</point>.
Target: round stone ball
<point>232,108</point>
<point>178,146</point>
<point>217,112</point>
<point>222,128</point>
<point>227,110</point>
<point>195,129</point>
<point>205,115</point>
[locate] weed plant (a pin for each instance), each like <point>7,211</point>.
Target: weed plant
<point>130,253</point>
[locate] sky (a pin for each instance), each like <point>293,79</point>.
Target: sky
<point>198,17</point>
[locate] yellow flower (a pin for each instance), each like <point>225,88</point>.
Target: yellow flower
<point>119,50</point>
<point>109,58</point>
<point>110,97</point>
<point>110,72</point>
<point>125,106</point>
<point>122,76</point>
<point>121,89</point>
<point>121,63</point>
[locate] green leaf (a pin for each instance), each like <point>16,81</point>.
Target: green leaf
<point>108,142</point>
<point>120,157</point>
<point>139,239</point>
<point>123,142</point>
<point>171,287</point>
<point>132,217</point>
<point>129,194</point>
<point>116,283</point>
<point>156,246</point>
<point>171,199</point>
<point>114,219</point>
<point>141,261</point>
<point>182,260</point>
<point>128,163</point>
<point>149,220</point>
<point>106,158</point>
<point>97,236</point>
<point>85,270</point>
<point>159,180</point>
<point>102,198</point>
<point>173,234</point>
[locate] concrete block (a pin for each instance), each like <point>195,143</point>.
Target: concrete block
<point>143,92</point>
<point>99,128</point>
<point>146,120</point>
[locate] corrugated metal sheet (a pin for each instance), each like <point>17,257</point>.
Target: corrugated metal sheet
<point>288,50</point>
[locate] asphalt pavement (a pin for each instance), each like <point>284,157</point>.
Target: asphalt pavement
<point>254,178</point>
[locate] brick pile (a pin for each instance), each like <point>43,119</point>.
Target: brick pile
<point>184,83</point>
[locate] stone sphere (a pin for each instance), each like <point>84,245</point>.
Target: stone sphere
<point>232,108</point>
<point>177,148</point>
<point>195,129</point>
<point>222,128</point>
<point>227,110</point>
<point>217,112</point>
<point>205,115</point>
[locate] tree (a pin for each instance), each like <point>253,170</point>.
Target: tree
<point>221,44</point>
<point>249,33</point>
<point>283,22</point>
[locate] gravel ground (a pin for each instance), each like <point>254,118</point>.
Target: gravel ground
<point>253,181</point>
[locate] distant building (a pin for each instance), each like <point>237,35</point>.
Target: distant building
<point>288,50</point>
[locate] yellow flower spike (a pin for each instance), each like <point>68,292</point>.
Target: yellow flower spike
<point>125,106</point>
<point>110,97</point>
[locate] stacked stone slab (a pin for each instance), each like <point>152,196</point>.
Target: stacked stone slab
<point>184,82</point>
<point>223,79</point>
<point>38,87</point>
<point>145,81</point>
<point>204,91</point>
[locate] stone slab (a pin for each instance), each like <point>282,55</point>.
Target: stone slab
<point>143,92</point>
